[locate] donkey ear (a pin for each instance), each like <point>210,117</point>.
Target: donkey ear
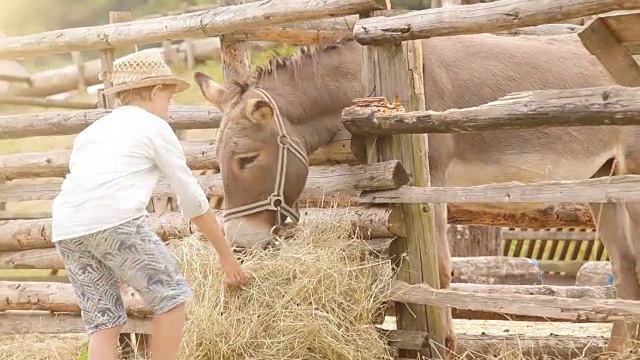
<point>259,111</point>
<point>215,93</point>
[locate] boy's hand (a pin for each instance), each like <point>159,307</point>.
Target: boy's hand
<point>235,275</point>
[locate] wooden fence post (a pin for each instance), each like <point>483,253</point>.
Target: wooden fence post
<point>395,71</point>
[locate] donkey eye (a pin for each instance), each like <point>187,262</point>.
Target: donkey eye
<point>245,161</point>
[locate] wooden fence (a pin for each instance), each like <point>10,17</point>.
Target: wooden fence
<point>382,202</point>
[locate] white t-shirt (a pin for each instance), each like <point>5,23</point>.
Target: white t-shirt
<point>114,166</point>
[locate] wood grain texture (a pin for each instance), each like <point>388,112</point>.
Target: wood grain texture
<point>368,222</point>
<point>57,297</point>
<point>324,184</point>
<point>206,23</point>
<point>44,322</point>
<point>605,105</point>
<point>496,346</point>
<point>181,117</point>
<point>619,188</point>
<point>592,310</point>
<point>479,18</point>
<point>395,72</point>
<point>495,270</point>
<point>200,155</point>
<point>554,216</point>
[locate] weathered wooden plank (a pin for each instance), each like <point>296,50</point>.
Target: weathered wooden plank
<point>369,222</point>
<point>554,216</point>
<point>495,270</point>
<point>605,105</point>
<point>478,18</point>
<point>44,322</point>
<point>619,188</point>
<point>397,71</point>
<point>206,23</point>
<point>200,155</point>
<point>46,103</point>
<point>324,183</point>
<point>593,310</point>
<point>605,45</point>
<point>181,117</point>
<point>500,346</point>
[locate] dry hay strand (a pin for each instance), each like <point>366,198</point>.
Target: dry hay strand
<point>40,347</point>
<point>315,297</point>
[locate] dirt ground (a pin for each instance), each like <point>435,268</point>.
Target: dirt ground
<point>66,346</point>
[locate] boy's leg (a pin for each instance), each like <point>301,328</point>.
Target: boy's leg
<point>142,260</point>
<point>98,291</point>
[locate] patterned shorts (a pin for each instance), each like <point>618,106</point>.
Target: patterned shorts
<point>95,263</point>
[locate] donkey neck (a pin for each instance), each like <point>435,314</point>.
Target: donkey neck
<point>312,89</point>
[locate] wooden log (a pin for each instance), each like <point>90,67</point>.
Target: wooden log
<point>200,155</point>
<point>324,184</point>
<point>16,78</point>
<point>554,216</point>
<point>369,222</point>
<point>496,270</point>
<point>46,103</point>
<point>592,310</point>
<point>201,24</point>
<point>620,188</point>
<point>479,18</point>
<point>543,30</point>
<point>594,106</point>
<point>43,322</point>
<point>599,37</point>
<point>181,117</point>
<point>311,32</point>
<point>396,72</point>
<point>567,267</point>
<point>474,240</point>
<point>570,292</point>
<point>503,346</point>
<point>595,273</point>
<point>57,297</point>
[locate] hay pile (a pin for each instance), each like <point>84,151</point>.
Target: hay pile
<point>313,298</point>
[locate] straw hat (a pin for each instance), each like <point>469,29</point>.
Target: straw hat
<point>140,69</point>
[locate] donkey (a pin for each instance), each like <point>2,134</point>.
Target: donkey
<point>292,106</point>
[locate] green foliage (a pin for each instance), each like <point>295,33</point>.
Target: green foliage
<point>84,352</point>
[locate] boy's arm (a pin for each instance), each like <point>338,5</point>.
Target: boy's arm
<point>169,156</point>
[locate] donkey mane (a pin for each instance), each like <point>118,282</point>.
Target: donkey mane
<point>277,61</point>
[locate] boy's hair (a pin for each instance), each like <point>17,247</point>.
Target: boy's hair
<point>126,97</point>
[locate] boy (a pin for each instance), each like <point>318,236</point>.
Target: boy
<point>99,221</point>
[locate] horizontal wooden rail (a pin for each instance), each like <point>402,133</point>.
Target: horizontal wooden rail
<point>370,222</point>
<point>205,23</point>
<point>583,309</point>
<point>323,184</point>
<point>200,155</point>
<point>621,188</point>
<point>181,117</point>
<point>606,105</point>
<point>46,103</point>
<point>479,18</point>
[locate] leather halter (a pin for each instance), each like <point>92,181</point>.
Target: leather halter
<point>275,201</point>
